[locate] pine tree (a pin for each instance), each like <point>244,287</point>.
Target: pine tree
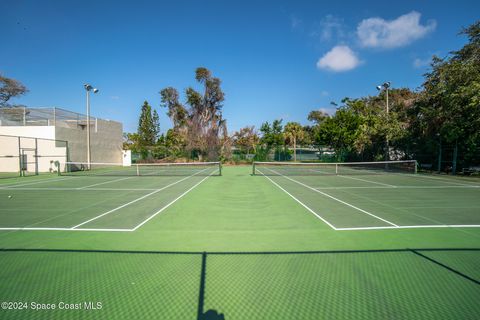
<point>148,126</point>
<point>156,126</point>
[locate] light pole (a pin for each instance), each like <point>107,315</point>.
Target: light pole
<point>95,90</point>
<point>384,87</point>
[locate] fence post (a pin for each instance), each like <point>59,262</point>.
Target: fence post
<point>36,156</point>
<point>19,157</point>
<point>454,161</point>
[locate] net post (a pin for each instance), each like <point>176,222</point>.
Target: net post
<point>253,168</point>
<point>57,165</point>
<point>336,168</point>
<point>416,167</point>
<point>138,169</point>
<point>220,168</point>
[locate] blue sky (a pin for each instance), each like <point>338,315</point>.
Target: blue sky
<point>277,59</point>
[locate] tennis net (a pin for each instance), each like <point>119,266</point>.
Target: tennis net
<point>141,169</point>
<point>341,168</point>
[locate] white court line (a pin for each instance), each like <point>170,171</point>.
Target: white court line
<point>300,202</point>
<point>443,180</point>
<point>98,184</point>
<point>114,230</point>
<point>133,201</point>
<point>172,202</point>
<point>333,198</point>
<point>400,187</point>
<point>336,229</point>
<point>412,227</point>
<point>12,186</point>
<point>89,189</point>
<point>64,229</point>
<point>365,180</point>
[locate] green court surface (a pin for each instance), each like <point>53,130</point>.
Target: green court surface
<point>264,246</point>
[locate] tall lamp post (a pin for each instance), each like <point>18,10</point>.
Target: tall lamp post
<point>384,87</point>
<point>89,88</point>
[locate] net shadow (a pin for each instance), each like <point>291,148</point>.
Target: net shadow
<point>227,282</point>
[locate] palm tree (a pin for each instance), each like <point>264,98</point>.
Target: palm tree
<point>294,132</point>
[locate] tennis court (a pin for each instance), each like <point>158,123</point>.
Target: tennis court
<point>366,197</point>
<point>275,242</point>
<point>105,198</point>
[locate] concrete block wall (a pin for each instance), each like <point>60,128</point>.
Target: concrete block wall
<point>106,144</point>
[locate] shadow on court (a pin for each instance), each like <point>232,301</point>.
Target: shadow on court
<point>280,285</point>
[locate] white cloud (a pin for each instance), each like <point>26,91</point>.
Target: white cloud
<point>295,22</point>
<point>340,58</point>
<point>381,33</point>
<point>420,63</point>
<point>324,93</point>
<point>330,27</point>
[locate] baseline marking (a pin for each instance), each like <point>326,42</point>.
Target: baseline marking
<point>12,186</point>
<point>338,200</point>
<point>413,227</point>
<point>133,201</point>
<point>65,229</point>
<point>77,189</point>
<point>336,229</point>
<point>300,202</point>
<point>399,187</point>
<point>172,202</point>
<point>443,180</point>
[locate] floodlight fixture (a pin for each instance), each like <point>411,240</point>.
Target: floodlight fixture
<point>89,87</point>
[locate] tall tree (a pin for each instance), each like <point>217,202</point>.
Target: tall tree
<point>201,123</point>
<point>448,109</point>
<point>176,111</point>
<point>10,88</point>
<point>294,132</point>
<point>156,125</point>
<point>317,116</point>
<point>148,126</point>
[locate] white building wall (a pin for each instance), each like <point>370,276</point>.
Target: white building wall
<point>45,132</point>
<point>106,143</point>
<point>37,153</point>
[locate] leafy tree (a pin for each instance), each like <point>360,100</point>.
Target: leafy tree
<point>294,132</point>
<point>360,127</point>
<point>309,135</point>
<point>176,111</point>
<point>340,132</point>
<point>201,124</point>
<point>448,108</point>
<point>317,116</point>
<point>10,88</point>
<point>246,139</point>
<point>174,144</point>
<point>131,142</point>
<point>272,138</point>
